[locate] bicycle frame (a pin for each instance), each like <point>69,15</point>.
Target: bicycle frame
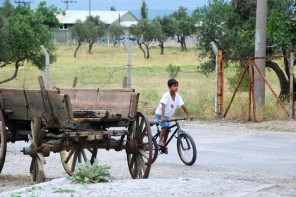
<point>177,130</point>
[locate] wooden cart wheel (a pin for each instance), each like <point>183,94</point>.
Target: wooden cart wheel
<point>3,140</point>
<point>139,147</point>
<point>70,158</point>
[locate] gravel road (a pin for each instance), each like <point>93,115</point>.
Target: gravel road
<point>234,159</point>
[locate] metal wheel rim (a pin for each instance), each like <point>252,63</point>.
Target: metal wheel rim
<point>71,158</point>
<point>187,156</point>
<point>3,140</point>
<point>139,163</point>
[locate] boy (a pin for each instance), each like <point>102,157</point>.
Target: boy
<point>166,108</point>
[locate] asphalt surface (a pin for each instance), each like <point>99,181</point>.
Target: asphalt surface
<point>229,163</point>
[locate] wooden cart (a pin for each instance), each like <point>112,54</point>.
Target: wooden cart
<point>75,123</point>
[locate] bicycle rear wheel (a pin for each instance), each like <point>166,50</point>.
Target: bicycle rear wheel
<point>154,150</point>
<point>186,149</point>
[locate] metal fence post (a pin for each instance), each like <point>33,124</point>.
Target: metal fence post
<point>215,50</point>
<point>291,111</point>
<point>220,82</point>
<point>127,46</point>
<point>47,71</point>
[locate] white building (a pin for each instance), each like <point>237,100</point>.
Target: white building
<point>64,33</point>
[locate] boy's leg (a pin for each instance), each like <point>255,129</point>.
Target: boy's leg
<point>166,135</point>
<point>162,136</point>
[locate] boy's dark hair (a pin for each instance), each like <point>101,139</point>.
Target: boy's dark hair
<point>172,82</point>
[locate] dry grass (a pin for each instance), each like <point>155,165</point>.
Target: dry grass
<point>106,67</point>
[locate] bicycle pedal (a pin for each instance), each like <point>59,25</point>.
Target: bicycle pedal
<point>164,150</point>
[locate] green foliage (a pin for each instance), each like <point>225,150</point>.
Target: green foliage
<point>207,67</point>
<point>144,10</point>
<point>233,80</point>
<point>90,173</point>
<point>95,28</point>
<point>22,31</point>
<point>116,30</point>
<point>173,70</point>
<point>112,8</point>
<point>79,31</point>
<point>60,190</point>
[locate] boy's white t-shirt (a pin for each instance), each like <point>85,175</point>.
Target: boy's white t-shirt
<point>170,104</point>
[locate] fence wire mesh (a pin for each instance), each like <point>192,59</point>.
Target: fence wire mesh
<point>197,90</point>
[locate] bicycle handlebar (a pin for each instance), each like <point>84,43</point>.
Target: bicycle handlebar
<point>155,122</point>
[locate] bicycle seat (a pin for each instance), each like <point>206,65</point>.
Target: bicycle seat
<point>153,122</point>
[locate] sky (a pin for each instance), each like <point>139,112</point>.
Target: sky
<point>120,5</point>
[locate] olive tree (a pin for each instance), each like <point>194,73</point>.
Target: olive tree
<point>22,31</point>
<point>115,30</point>
<point>79,31</point>
<point>95,29</point>
<point>231,25</point>
<point>184,24</point>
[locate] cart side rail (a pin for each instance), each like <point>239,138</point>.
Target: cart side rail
<point>22,104</point>
<point>119,103</point>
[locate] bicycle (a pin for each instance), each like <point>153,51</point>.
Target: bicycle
<point>185,143</point>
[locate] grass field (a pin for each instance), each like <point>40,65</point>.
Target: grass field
<point>106,68</point>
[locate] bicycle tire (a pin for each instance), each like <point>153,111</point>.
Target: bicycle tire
<point>154,150</point>
<point>185,148</point>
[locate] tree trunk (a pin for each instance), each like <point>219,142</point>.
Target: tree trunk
<point>17,65</point>
<point>284,83</point>
<point>148,51</point>
<point>183,43</point>
<point>79,44</point>
<point>114,41</point>
<point>140,46</point>
<point>161,48</point>
<point>90,45</point>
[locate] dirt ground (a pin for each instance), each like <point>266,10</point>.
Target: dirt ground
<point>11,181</point>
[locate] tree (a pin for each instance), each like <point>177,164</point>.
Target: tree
<point>184,24</point>
<point>231,23</point>
<point>95,29</point>
<point>112,8</point>
<point>22,31</point>
<point>116,30</point>
<point>79,31</point>
<point>145,32</point>
<point>144,10</point>
<point>165,29</point>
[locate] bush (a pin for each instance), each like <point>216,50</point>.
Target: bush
<point>90,173</point>
<point>173,70</point>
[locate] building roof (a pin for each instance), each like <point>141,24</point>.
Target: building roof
<point>107,17</point>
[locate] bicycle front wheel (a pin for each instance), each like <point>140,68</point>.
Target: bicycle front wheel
<point>186,149</point>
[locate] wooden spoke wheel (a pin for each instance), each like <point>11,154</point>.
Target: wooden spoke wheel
<point>139,147</point>
<point>74,156</point>
<point>3,140</point>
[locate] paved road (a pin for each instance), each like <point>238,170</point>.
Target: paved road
<point>229,163</point>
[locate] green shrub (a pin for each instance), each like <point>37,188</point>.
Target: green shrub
<point>173,70</point>
<point>90,173</point>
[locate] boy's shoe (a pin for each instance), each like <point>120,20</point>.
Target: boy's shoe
<point>160,143</point>
<point>164,150</point>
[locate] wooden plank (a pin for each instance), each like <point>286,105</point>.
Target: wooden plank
<point>14,100</point>
<point>117,102</point>
<point>25,104</point>
<point>134,105</point>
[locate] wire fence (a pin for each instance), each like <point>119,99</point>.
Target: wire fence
<point>197,90</point>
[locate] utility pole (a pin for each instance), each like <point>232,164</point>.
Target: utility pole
<point>25,3</point>
<point>89,7</point>
<point>260,51</point>
<point>67,3</point>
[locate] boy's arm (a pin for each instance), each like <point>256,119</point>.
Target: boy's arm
<point>186,111</point>
<point>162,113</point>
